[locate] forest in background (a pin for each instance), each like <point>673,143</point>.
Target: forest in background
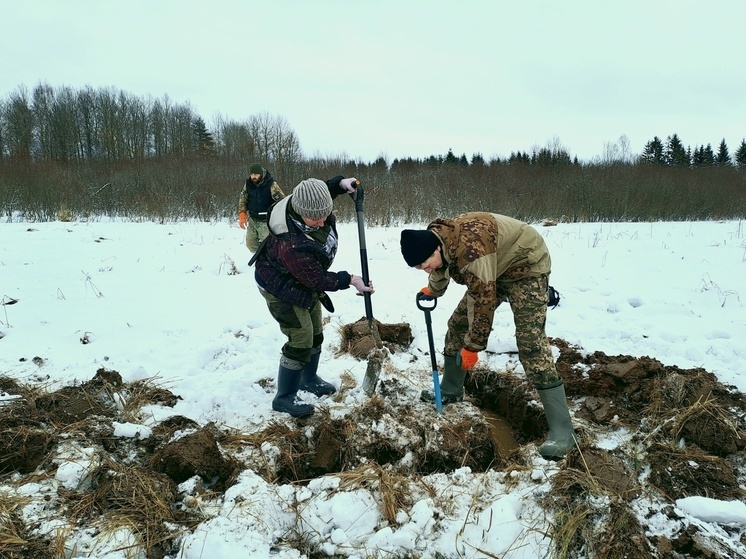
<point>91,153</point>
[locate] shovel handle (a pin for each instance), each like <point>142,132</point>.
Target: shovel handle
<point>422,297</point>
<point>429,324</point>
<point>358,196</point>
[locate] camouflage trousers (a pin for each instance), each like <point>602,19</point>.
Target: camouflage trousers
<point>528,301</point>
<point>302,326</point>
<point>256,231</point>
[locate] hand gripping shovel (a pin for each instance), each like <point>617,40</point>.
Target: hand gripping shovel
<point>374,360</point>
<point>429,323</point>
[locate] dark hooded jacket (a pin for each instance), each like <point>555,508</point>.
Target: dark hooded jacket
<point>293,263</point>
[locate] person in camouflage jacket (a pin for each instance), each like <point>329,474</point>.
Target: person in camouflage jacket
<point>498,259</point>
<point>259,192</point>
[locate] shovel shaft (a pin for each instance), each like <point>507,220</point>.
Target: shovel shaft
<point>365,272</point>
<point>359,196</point>
<point>433,361</point>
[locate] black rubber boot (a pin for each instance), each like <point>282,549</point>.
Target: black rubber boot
<point>561,436</point>
<point>310,381</point>
<point>288,380</point>
<point>452,385</point>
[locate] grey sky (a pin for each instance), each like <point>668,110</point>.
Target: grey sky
<point>407,78</point>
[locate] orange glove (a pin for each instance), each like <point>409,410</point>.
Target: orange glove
<point>242,220</point>
<point>468,359</point>
<point>426,294</point>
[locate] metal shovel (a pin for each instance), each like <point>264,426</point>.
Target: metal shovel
<point>429,323</point>
<point>374,361</point>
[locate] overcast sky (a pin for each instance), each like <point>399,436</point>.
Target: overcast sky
<point>405,78</point>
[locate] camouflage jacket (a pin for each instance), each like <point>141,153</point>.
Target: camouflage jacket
<point>480,249</point>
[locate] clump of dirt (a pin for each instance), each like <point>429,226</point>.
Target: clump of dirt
<point>196,453</point>
<point>611,472</point>
<point>690,471</point>
<point>360,338</point>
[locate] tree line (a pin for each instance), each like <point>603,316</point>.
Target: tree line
<point>93,125</point>
<point>103,152</point>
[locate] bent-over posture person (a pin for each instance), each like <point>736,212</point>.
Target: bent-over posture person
<point>498,259</point>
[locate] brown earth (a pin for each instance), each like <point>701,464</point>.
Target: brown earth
<point>685,437</point>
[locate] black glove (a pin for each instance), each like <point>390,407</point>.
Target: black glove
<point>335,189</point>
<point>326,301</point>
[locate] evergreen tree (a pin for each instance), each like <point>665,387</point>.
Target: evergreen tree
<point>202,138</point>
<point>477,159</point>
<point>450,158</point>
<point>722,159</point>
<point>698,156</point>
<point>519,157</point>
<point>708,156</point>
<point>653,152</point>
<point>741,155</point>
<point>675,153</point>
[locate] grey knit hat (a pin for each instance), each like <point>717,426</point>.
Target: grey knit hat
<point>311,199</point>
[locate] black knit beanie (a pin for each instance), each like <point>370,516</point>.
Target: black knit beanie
<point>256,169</point>
<point>417,245</point>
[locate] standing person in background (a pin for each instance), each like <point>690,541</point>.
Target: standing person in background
<point>498,259</point>
<point>258,193</point>
<point>292,274</point>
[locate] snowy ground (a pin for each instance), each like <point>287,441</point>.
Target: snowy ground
<point>177,303</point>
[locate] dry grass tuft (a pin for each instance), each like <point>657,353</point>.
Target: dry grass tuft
<point>128,496</point>
<point>393,488</point>
<point>284,451</point>
<point>145,392</point>
<point>15,541</point>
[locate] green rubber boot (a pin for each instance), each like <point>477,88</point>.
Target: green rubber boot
<point>561,436</point>
<point>452,384</point>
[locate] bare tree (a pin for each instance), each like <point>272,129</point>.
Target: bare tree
<point>88,122</point>
<point>19,120</point>
<point>274,141</point>
<point>617,152</point>
<point>159,126</point>
<point>64,126</point>
<point>3,133</point>
<point>43,98</point>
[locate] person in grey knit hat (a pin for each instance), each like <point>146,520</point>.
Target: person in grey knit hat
<point>292,274</point>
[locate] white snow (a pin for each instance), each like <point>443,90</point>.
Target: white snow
<point>158,301</point>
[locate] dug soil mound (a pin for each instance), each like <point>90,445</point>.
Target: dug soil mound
<point>680,432</point>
